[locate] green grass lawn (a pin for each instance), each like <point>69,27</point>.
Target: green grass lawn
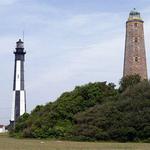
<point>7,143</point>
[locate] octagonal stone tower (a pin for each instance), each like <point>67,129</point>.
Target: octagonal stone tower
<point>135,55</point>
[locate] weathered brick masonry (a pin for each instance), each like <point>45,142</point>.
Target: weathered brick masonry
<point>135,56</point>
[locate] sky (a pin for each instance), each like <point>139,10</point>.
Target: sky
<point>68,43</point>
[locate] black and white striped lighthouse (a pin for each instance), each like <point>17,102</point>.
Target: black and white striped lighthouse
<point>19,94</point>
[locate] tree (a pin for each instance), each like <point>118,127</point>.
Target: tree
<point>57,119</point>
<point>126,119</point>
<point>129,81</point>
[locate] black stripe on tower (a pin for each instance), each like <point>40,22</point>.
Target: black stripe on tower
<point>17,104</point>
<point>25,101</point>
<point>22,75</point>
<point>14,84</point>
<point>19,55</point>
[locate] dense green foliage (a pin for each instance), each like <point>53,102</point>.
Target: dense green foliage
<point>56,119</point>
<point>127,119</point>
<point>129,81</point>
<point>96,111</point>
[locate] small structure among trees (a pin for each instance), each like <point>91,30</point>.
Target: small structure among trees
<point>2,129</point>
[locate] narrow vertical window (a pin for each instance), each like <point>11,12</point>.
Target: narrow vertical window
<point>136,39</point>
<point>136,59</point>
<point>135,24</point>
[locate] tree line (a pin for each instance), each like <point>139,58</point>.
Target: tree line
<point>93,112</point>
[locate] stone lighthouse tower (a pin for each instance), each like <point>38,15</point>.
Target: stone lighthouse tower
<point>19,95</point>
<point>135,56</point>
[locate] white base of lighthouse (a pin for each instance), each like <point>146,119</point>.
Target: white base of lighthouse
<point>18,104</point>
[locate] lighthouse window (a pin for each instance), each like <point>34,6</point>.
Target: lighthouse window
<point>136,40</point>
<point>136,59</point>
<point>135,25</point>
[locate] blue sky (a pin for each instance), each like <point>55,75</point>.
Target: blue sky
<point>68,43</point>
